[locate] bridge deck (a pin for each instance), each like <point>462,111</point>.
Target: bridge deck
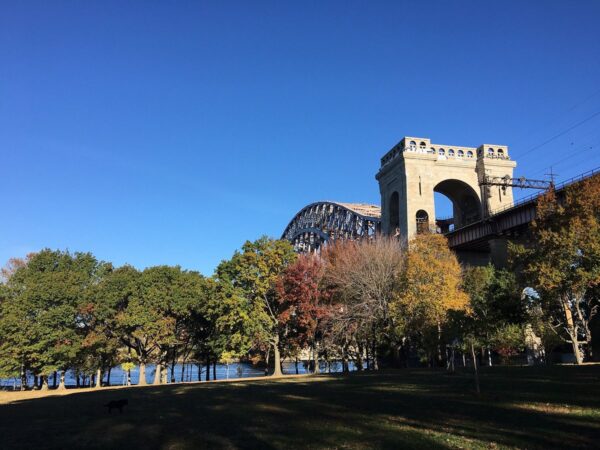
<point>508,221</point>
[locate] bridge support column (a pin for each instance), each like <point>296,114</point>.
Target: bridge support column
<point>475,259</point>
<point>499,252</point>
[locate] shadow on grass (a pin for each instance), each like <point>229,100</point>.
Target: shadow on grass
<point>557,407</point>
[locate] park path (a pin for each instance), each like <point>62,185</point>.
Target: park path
<point>7,397</point>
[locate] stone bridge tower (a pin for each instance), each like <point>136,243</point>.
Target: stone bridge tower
<point>415,168</point>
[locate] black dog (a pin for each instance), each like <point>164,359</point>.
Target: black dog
<point>116,404</point>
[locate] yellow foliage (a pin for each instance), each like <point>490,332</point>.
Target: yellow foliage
<point>432,283</point>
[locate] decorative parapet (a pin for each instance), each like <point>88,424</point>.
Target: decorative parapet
<point>424,146</point>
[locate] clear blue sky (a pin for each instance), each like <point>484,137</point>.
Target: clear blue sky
<point>170,132</point>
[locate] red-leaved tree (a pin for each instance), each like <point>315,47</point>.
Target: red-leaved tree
<point>303,304</point>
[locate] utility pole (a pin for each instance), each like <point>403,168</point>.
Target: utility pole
<point>552,176</point>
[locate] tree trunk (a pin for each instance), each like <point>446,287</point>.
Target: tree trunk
<point>277,358</point>
<point>359,358</point>
<point>572,331</point>
<point>98,378</point>
<point>576,349</point>
<point>375,362</point>
<point>296,364</point>
<point>108,376</point>
<point>142,381</point>
<point>23,378</point>
<point>207,367</point>
<point>450,360</point>
<point>440,358</point>
<point>344,359</point>
<point>44,380</point>
<point>183,371</point>
<point>475,369</point>
<point>61,385</point>
<point>158,374</point>
<point>316,369</point>
<point>215,369</point>
<point>374,355</point>
<point>267,356</point>
<point>35,382</point>
<point>54,381</point>
<point>173,370</point>
<point>586,329</point>
<point>489,352</point>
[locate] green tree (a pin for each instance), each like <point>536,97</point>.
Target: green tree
<point>204,323</point>
<point>508,340</point>
<point>250,303</point>
<point>495,304</point>
<point>563,264</point>
<point>152,322</point>
<point>98,315</point>
<point>15,357</point>
<point>40,318</point>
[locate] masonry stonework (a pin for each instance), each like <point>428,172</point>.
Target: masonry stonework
<point>415,168</point>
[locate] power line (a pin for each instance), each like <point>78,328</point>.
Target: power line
<point>580,151</point>
<point>562,133</point>
<point>563,112</point>
<point>577,163</point>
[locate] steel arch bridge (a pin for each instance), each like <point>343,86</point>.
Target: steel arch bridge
<point>317,223</point>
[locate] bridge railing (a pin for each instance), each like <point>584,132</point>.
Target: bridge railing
<point>560,186</point>
<point>530,198</point>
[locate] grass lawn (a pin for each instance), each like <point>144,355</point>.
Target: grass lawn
<point>522,407</point>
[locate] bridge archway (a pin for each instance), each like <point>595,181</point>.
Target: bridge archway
<point>466,205</point>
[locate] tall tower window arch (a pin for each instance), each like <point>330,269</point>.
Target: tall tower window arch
<point>422,221</point>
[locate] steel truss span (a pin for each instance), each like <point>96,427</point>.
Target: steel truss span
<point>319,222</point>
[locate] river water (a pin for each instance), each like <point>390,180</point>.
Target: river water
<point>191,372</point>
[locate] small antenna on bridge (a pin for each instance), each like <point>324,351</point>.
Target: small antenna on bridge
<point>552,176</point>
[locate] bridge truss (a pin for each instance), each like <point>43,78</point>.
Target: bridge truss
<point>320,222</point>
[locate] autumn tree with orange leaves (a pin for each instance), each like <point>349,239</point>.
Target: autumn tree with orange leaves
<point>430,289</point>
